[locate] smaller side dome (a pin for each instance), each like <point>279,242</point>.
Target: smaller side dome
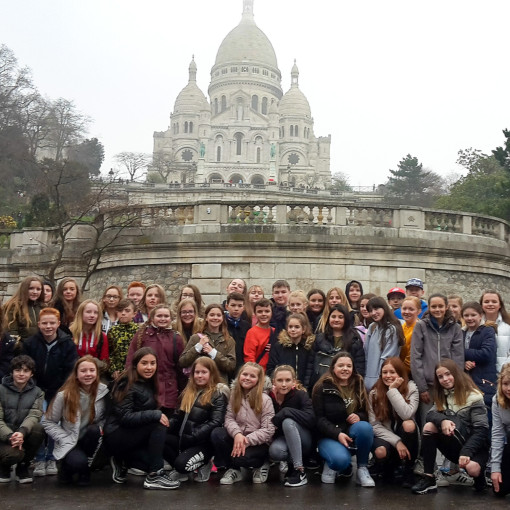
<point>294,102</point>
<point>191,99</point>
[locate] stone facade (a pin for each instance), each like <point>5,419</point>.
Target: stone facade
<point>250,131</point>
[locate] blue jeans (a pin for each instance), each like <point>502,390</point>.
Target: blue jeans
<point>338,456</point>
<point>45,451</point>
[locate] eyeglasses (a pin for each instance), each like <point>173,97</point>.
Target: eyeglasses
<point>108,296</point>
<point>187,313</point>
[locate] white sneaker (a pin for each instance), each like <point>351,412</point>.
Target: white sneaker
<point>363,477</point>
<point>418,467</point>
<point>51,467</point>
<point>441,479</point>
<point>328,475</point>
<point>460,478</point>
<point>231,476</point>
<point>40,468</point>
<point>175,476</point>
<point>204,472</point>
<point>260,474</point>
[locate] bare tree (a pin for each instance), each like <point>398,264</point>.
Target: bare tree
<point>133,162</point>
<point>161,166</point>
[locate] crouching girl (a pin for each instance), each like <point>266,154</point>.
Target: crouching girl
<point>294,421</point>
<point>244,440</point>
<point>394,400</point>
<point>203,407</point>
<point>457,425</point>
<point>74,420</point>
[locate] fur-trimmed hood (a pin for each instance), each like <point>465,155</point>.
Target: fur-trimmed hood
<point>285,341</point>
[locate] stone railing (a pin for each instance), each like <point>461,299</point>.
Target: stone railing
<point>312,211</point>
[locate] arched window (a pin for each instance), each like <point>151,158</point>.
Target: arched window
<point>264,105</point>
<point>255,103</point>
<point>186,127</point>
<point>258,154</point>
<point>191,127</point>
<point>218,154</point>
<point>239,143</point>
<point>223,103</point>
<point>216,106</point>
<point>291,130</point>
<point>295,131</point>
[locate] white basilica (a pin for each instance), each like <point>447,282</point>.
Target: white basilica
<point>249,132</point>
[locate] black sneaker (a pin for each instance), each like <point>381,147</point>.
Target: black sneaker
<point>296,478</point>
<point>480,484</point>
<point>5,474</point>
<point>346,473</point>
<point>83,480</point>
<point>22,474</point>
<point>119,471</point>
<point>408,479</point>
<point>425,484</point>
<point>160,480</point>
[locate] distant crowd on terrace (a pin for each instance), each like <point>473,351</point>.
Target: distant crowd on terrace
<point>177,391</point>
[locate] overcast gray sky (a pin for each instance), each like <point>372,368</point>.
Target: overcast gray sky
<point>384,78</point>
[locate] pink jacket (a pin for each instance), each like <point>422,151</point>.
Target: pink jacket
<point>258,429</point>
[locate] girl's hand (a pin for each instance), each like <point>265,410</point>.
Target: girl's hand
<point>204,339</point>
<point>240,444</point>
<point>164,420</point>
<point>448,428</point>
<point>353,418</point>
<point>469,365</point>
<point>402,450</point>
<point>464,461</point>
<point>425,397</point>
<point>344,439</point>
<point>496,480</point>
<point>396,383</point>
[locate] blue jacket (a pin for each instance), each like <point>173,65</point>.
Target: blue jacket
<point>482,350</point>
<point>424,308</point>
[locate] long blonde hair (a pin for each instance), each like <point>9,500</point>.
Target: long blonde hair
<point>254,396</point>
<point>191,392</point>
<point>503,401</point>
<point>77,326</point>
<point>321,327</point>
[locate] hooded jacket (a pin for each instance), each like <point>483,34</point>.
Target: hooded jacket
<point>296,405</point>
<point>429,345</point>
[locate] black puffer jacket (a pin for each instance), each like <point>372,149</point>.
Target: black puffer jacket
<point>51,368</point>
<point>286,352</point>
<point>19,410</point>
<point>137,408</point>
<point>296,405</point>
<point>331,411</point>
<point>201,420</point>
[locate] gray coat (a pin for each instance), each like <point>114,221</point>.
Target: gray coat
<point>21,410</point>
<point>64,432</point>
<point>429,346</point>
<point>500,431</point>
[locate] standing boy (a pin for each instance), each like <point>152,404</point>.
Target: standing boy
<point>280,298</point>
<point>260,337</point>
<point>54,354</point>
<point>237,326</point>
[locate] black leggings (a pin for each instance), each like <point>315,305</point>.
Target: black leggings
<point>450,447</point>
<point>76,461</point>
<point>140,447</point>
<point>254,456</point>
<point>189,459</point>
<point>504,486</point>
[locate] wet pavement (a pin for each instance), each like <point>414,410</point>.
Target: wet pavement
<point>46,494</point>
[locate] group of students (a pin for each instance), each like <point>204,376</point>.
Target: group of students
<point>176,390</point>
